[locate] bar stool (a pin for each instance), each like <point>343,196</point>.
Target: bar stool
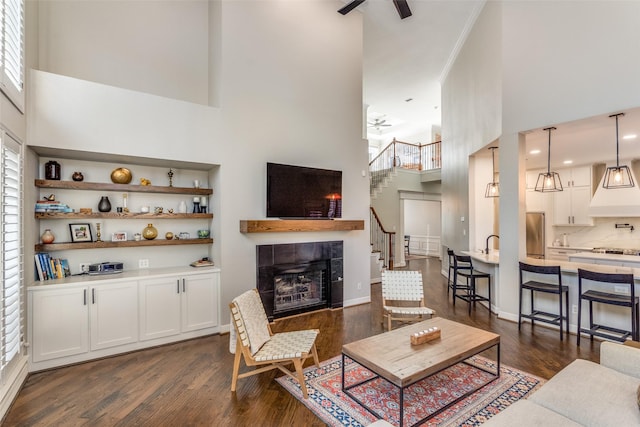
<point>452,268</point>
<point>546,287</point>
<point>463,266</point>
<point>622,300</point>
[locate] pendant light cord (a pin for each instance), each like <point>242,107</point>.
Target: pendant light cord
<point>617,141</point>
<point>549,151</point>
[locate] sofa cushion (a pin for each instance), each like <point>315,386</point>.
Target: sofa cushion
<point>591,395</point>
<point>526,413</point>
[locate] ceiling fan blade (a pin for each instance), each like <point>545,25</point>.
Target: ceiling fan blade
<point>350,6</point>
<point>403,8</point>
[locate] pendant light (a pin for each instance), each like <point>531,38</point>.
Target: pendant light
<point>549,181</point>
<point>617,176</point>
<point>493,188</point>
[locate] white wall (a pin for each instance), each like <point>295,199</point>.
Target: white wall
<point>278,102</point>
<point>153,46</point>
<point>422,217</point>
<point>471,118</point>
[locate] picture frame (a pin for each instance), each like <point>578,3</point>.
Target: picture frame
<point>119,236</point>
<point>80,232</point>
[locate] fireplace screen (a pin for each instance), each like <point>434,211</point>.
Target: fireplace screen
<point>298,290</point>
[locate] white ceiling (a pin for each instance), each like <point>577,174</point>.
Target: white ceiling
<point>407,58</point>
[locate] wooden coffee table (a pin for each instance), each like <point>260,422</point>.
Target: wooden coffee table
<point>391,356</point>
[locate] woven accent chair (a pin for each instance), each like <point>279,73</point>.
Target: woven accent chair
<point>260,347</point>
<point>403,297</point>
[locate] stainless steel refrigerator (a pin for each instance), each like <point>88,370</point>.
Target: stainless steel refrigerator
<point>535,235</point>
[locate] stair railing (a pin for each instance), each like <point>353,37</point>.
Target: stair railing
<point>382,241</point>
<point>421,157</point>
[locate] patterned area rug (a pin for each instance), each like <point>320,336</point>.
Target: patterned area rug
<point>332,406</point>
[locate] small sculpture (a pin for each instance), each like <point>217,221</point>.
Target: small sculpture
<point>145,181</point>
<point>170,173</point>
<point>77,176</point>
<point>51,197</point>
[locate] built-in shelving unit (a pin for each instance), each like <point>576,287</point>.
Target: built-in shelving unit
<point>126,244</point>
<point>120,215</point>
<point>105,186</point>
<point>101,186</point>
<point>284,225</point>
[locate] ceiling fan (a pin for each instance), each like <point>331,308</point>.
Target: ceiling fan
<point>377,123</point>
<point>401,6</point>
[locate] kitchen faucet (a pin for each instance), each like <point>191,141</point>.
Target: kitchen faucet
<point>486,249</point>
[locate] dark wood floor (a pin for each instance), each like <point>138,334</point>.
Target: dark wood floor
<point>188,383</point>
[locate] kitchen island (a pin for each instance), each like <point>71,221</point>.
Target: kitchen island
<point>614,316</point>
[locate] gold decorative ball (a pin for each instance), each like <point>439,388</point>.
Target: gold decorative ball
<point>121,176</point>
<point>169,235</point>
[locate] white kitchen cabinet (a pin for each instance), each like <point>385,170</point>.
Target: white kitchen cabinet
<point>114,314</point>
<point>173,305</point>
<point>59,323</point>
<point>537,201</point>
<point>571,206</point>
<point>531,177</point>
<point>561,254</point>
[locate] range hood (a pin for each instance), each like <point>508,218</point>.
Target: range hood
<point>616,202</point>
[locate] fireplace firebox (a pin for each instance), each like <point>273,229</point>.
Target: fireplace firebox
<point>300,277</point>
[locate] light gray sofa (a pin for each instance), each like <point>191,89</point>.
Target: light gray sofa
<point>583,394</point>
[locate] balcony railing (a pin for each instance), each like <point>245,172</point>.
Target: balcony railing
<point>421,157</point>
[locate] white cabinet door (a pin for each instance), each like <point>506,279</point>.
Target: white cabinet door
<point>537,201</point>
<point>571,206</point>
<point>531,177</point>
<point>159,307</point>
<point>562,207</point>
<point>580,200</point>
<point>114,314</point>
<point>199,302</point>
<point>59,323</point>
<point>581,176</point>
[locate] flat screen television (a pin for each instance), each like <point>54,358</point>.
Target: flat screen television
<point>298,192</point>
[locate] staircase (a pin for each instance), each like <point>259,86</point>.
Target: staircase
<point>420,157</point>
<point>424,158</point>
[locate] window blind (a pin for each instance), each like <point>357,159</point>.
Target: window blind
<point>12,51</point>
<point>11,310</point>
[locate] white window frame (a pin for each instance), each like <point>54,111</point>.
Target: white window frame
<point>12,51</point>
<point>12,312</point>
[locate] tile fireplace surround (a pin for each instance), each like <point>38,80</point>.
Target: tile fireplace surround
<point>316,269</point>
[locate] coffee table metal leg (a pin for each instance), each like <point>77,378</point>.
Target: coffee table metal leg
<point>401,406</point>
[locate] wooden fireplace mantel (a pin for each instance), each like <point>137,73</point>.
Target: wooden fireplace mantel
<point>287,225</point>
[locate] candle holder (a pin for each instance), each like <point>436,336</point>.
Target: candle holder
<point>98,235</point>
<point>196,207</point>
<point>170,174</point>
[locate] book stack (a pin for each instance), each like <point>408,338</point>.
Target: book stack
<point>51,206</point>
<point>48,268</point>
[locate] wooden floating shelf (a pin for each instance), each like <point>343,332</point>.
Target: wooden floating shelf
<point>127,244</point>
<point>105,186</point>
<point>120,215</point>
<point>285,225</point>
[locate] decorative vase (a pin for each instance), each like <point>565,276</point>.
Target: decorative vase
<point>150,232</point>
<point>77,176</point>
<point>182,207</point>
<point>52,170</point>
<point>121,176</point>
<point>47,237</point>
<point>104,205</point>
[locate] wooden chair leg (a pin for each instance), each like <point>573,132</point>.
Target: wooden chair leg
<point>236,365</point>
<point>303,386</point>
<point>314,351</point>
